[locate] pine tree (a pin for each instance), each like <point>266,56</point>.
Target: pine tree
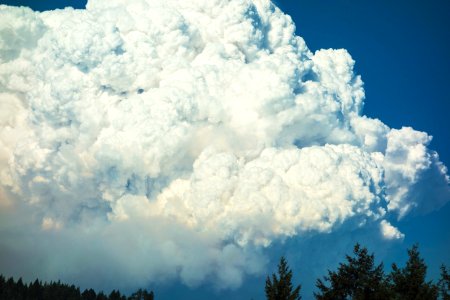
<point>89,294</point>
<point>101,296</point>
<point>115,295</point>
<point>444,284</point>
<point>409,283</point>
<point>35,290</point>
<point>20,289</point>
<point>141,295</point>
<point>12,290</point>
<point>280,287</point>
<point>358,279</point>
<point>2,287</point>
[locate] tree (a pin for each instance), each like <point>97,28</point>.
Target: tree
<point>11,290</point>
<point>141,295</point>
<point>409,283</point>
<point>444,284</point>
<point>89,294</point>
<point>115,295</point>
<point>101,296</point>
<point>280,287</point>
<point>35,290</point>
<point>359,278</point>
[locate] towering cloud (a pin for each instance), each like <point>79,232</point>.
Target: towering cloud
<point>164,139</point>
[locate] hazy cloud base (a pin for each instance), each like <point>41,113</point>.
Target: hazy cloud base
<point>153,140</point>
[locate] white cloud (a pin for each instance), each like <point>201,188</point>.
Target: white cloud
<point>414,176</point>
<point>193,133</point>
<point>390,232</point>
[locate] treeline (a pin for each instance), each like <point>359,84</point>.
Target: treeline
<point>359,278</point>
<point>17,290</point>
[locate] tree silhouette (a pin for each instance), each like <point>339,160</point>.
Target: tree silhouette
<point>280,287</point>
<point>141,295</point>
<point>88,295</point>
<point>409,283</point>
<point>444,284</point>
<point>12,290</point>
<point>359,278</point>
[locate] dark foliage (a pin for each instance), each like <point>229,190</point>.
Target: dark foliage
<point>280,286</point>
<point>141,295</point>
<point>444,284</point>
<point>17,290</point>
<point>409,283</point>
<point>358,278</point>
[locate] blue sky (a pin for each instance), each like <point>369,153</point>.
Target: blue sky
<point>401,49</point>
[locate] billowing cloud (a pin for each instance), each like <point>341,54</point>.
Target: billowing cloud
<point>158,139</point>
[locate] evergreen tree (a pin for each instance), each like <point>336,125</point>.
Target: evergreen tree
<point>2,286</point>
<point>35,291</point>
<point>359,278</point>
<point>20,289</point>
<point>444,284</point>
<point>89,295</point>
<point>101,296</point>
<point>115,295</point>
<point>12,290</point>
<point>280,287</point>
<point>409,283</point>
<point>141,295</point>
<point>9,292</point>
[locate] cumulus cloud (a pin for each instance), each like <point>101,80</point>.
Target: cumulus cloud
<point>158,140</point>
<point>390,232</point>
